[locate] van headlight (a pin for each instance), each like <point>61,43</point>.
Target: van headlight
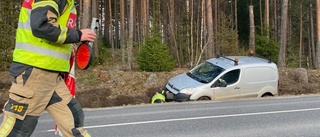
<point>188,91</point>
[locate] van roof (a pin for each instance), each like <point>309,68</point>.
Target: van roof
<point>228,61</point>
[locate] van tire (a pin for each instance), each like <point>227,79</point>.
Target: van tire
<point>203,98</point>
<point>266,95</point>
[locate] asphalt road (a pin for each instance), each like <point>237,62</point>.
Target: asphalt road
<point>267,117</point>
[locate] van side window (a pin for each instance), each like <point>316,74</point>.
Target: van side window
<point>231,77</point>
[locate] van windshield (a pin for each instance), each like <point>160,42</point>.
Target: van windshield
<point>205,72</point>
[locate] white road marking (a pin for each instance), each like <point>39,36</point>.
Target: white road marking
<point>196,118</point>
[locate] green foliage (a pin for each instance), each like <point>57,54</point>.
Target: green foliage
<point>267,48</point>
<point>7,42</point>
<point>154,56</point>
<point>293,57</point>
<point>8,24</point>
<point>227,37</point>
<point>104,55</point>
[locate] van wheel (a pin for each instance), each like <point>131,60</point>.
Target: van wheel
<point>203,98</point>
<point>267,95</point>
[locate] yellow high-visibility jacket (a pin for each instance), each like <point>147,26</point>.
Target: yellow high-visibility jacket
<point>158,96</point>
<point>45,34</point>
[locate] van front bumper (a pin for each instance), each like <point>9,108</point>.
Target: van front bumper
<point>180,97</point>
<point>175,95</point>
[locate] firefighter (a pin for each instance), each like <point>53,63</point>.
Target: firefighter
<point>69,79</point>
<point>159,97</point>
<point>41,56</point>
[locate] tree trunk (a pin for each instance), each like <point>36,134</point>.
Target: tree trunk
<point>86,18</point>
<point>318,36</point>
<point>275,20</point>
<point>100,17</point>
<point>284,29</point>
<point>216,24</point>
<point>191,33</point>
<point>290,26</point>
<point>131,25</point>
<point>94,9</point>
<point>261,17</point>
<point>267,18</point>
<point>145,19</point>
<point>138,20</point>
<point>166,24</point>
<point>111,28</point>
<point>300,39</point>
<point>252,29</point>
<point>313,51</point>
<point>95,15</point>
<point>235,21</point>
<point>0,12</point>
<point>235,14</point>
<point>79,14</point>
<point>198,43</point>
<point>211,46</point>
<point>204,33</point>
<point>116,25</point>
<point>123,31</point>
<point>172,30</point>
<point>203,43</point>
<point>106,21</point>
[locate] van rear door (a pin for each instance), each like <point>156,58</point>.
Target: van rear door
<point>259,80</point>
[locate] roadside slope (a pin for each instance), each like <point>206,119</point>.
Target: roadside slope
<point>105,88</point>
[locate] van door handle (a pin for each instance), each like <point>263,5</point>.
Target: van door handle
<point>236,88</point>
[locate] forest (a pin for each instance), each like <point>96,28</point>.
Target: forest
<point>159,35</point>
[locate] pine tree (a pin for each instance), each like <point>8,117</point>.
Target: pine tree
<point>8,24</point>
<point>155,56</point>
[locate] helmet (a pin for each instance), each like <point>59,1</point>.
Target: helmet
<point>161,91</point>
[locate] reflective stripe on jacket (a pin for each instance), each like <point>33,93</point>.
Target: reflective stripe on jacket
<point>158,96</point>
<point>38,52</point>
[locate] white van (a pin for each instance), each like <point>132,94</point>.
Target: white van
<point>224,78</point>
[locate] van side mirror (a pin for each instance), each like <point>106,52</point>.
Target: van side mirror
<point>220,83</point>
